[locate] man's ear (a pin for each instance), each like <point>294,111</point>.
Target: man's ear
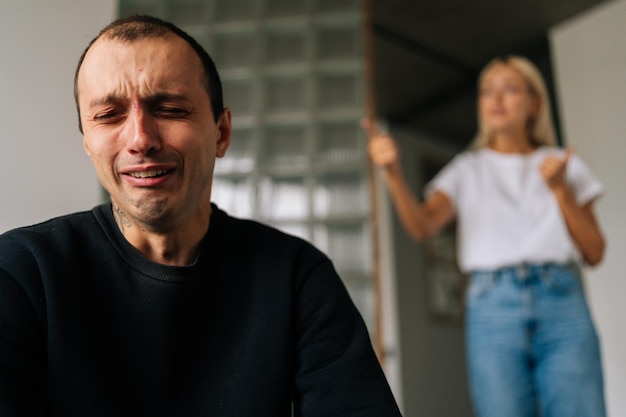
<point>224,128</point>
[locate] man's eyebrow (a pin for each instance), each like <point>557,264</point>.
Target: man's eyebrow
<point>155,98</point>
<point>159,97</point>
<point>108,99</point>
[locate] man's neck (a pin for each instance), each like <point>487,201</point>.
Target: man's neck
<point>176,246</point>
<point>168,249</point>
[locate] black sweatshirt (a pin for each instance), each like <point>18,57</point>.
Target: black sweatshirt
<point>260,323</point>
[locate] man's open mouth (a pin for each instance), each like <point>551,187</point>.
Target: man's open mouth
<point>148,174</point>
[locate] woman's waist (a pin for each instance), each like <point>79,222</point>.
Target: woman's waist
<point>526,270</point>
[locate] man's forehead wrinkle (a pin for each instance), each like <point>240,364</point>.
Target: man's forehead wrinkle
<point>145,71</point>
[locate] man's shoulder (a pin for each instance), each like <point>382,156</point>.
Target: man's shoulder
<point>51,227</point>
<point>260,236</point>
<point>27,251</point>
<point>69,229</point>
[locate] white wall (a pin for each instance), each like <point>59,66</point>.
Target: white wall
<point>43,169</point>
<point>589,54</point>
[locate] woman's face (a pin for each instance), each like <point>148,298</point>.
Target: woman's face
<point>505,102</point>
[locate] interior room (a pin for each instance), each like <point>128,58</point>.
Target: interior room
<point>300,76</point>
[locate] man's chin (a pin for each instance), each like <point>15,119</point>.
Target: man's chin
<point>153,213</point>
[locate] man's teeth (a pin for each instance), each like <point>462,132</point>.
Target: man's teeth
<point>148,174</point>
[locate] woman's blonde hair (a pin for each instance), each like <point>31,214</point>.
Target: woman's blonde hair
<point>541,126</point>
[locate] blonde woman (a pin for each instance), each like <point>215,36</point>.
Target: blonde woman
<point>525,221</point>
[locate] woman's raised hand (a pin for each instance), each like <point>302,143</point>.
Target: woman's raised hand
<point>382,148</point>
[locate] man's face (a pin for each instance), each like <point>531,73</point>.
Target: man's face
<point>149,129</point>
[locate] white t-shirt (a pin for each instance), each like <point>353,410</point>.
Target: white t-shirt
<point>506,214</point>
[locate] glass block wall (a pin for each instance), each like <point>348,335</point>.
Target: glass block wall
<point>293,75</point>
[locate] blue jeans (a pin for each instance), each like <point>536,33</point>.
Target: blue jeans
<point>531,345</point>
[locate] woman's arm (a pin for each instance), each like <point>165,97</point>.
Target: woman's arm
<point>581,220</point>
<point>420,220</point>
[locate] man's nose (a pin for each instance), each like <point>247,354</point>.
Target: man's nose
<point>143,132</point>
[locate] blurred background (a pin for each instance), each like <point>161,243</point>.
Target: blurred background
<point>299,75</point>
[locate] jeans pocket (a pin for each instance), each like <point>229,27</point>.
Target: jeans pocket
<point>479,286</point>
<point>561,280</point>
